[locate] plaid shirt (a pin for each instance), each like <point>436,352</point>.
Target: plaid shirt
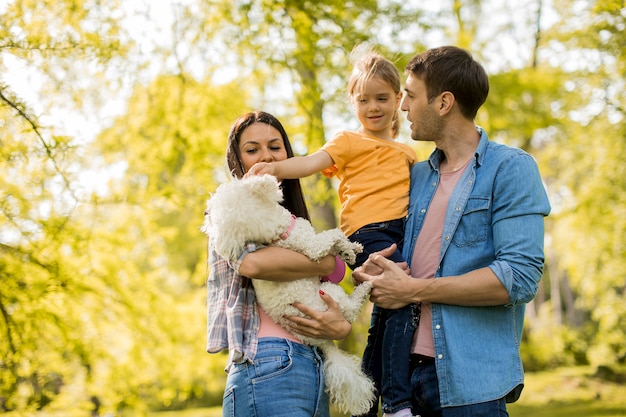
<point>233,321</point>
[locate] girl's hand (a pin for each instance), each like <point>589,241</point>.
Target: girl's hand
<point>329,324</point>
<point>261,168</point>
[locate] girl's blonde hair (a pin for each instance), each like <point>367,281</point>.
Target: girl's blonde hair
<point>369,64</point>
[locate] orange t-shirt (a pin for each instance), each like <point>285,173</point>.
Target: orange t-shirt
<point>374,178</point>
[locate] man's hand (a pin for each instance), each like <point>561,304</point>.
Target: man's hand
<point>392,286</point>
<point>330,324</point>
<point>370,268</point>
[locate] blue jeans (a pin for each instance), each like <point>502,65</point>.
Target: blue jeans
<point>391,331</point>
<point>286,379</point>
<point>378,236</point>
<point>426,401</point>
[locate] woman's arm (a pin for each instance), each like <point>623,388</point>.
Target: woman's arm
<point>280,264</point>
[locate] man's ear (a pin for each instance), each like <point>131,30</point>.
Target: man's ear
<point>445,102</point>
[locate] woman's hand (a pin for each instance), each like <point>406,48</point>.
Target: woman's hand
<point>329,324</point>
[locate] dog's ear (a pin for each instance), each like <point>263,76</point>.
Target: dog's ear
<point>265,187</point>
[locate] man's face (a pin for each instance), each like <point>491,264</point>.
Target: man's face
<point>425,121</point>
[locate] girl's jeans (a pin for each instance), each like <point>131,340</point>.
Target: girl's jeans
<point>391,331</point>
<point>286,379</point>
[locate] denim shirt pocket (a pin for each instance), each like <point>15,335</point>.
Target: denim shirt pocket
<point>474,223</point>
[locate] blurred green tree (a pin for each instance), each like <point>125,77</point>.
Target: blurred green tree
<point>45,331</point>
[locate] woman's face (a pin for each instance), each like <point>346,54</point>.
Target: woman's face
<point>261,142</point>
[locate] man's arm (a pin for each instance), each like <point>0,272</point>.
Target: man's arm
<point>393,288</point>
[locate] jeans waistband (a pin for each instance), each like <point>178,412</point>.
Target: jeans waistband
<point>298,348</point>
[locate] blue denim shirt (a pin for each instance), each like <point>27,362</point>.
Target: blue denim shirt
<point>495,219</point>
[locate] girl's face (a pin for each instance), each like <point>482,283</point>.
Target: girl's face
<point>261,142</point>
<point>375,106</point>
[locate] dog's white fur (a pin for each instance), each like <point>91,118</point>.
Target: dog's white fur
<point>247,210</point>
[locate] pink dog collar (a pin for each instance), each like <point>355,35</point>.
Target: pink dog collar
<point>286,234</point>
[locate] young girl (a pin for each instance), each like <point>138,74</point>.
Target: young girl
<point>373,171</point>
<point>267,366</point>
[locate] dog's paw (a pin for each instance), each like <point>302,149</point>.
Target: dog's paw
<point>347,251</point>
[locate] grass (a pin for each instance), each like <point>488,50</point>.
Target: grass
<point>571,392</point>
<point>565,392</point>
<point>196,412</point>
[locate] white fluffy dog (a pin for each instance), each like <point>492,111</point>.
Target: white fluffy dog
<point>248,210</point>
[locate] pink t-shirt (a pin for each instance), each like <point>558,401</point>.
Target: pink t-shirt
<point>269,328</point>
<point>426,256</point>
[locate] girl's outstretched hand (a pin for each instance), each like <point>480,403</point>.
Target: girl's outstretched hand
<point>261,168</point>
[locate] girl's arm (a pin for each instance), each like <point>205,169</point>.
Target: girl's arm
<point>296,167</point>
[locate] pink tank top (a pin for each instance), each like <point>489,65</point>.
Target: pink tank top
<point>269,328</point>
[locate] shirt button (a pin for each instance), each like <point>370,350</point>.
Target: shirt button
<point>439,356</point>
<point>437,327</point>
<point>423,211</point>
<point>448,237</point>
<point>458,209</point>
<point>434,184</point>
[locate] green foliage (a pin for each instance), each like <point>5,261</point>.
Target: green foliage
<point>520,106</point>
<point>585,169</point>
<point>172,143</point>
<point>569,392</point>
<point>46,335</point>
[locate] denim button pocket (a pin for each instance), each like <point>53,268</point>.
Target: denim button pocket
<point>475,222</point>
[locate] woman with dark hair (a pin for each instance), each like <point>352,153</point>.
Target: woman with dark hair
<point>236,156</point>
<point>270,372</point>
